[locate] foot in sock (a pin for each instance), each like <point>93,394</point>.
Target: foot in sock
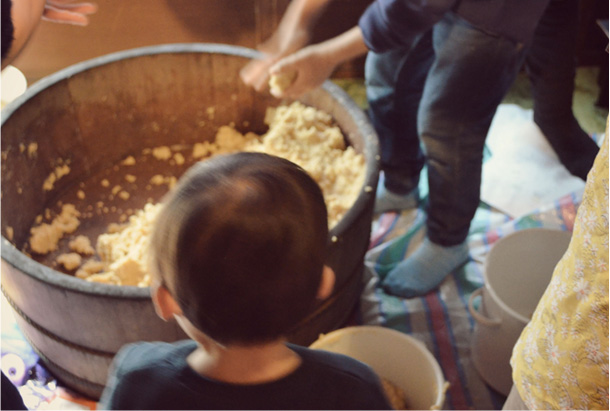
<point>425,269</point>
<point>385,200</point>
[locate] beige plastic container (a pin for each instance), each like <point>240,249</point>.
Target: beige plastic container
<point>393,355</point>
<point>518,270</point>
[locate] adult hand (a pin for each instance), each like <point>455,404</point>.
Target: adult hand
<point>312,66</point>
<point>256,73</point>
<point>64,11</point>
<point>292,34</point>
<point>282,43</point>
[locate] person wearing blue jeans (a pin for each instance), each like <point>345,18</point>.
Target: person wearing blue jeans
<point>388,75</point>
<point>452,123</point>
<point>393,97</point>
<point>395,81</point>
<point>478,48</point>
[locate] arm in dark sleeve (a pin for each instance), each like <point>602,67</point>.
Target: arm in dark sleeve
<point>110,398</point>
<point>390,24</point>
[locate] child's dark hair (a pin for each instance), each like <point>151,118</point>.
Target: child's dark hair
<point>240,243</point>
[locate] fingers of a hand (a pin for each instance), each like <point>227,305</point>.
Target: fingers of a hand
<point>64,3</point>
<point>255,74</point>
<point>290,63</point>
<point>308,76</point>
<point>63,16</point>
<point>81,8</point>
<point>279,67</point>
<point>61,11</point>
<point>293,90</point>
<point>248,72</point>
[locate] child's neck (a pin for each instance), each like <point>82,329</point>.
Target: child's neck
<point>244,364</point>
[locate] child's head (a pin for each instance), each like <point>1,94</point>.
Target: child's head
<point>240,245</point>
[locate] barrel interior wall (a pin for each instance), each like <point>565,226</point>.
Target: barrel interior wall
<point>167,98</point>
<point>103,114</point>
<point>31,144</point>
<point>95,118</point>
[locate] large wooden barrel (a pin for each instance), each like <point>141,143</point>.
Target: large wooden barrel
<point>91,116</point>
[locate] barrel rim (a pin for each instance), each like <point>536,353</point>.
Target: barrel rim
<point>491,257</point>
<point>29,266</point>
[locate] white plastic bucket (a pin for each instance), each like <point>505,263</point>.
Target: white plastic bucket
<point>518,270</point>
<point>395,356</point>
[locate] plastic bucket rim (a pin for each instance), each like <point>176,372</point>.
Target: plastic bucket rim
<point>11,255</point>
<point>431,360</point>
<point>495,297</point>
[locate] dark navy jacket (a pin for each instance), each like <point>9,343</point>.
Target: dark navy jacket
<point>390,24</point>
<point>148,376</point>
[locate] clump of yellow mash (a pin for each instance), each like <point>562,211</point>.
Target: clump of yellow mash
<point>278,83</point>
<point>396,396</point>
<point>301,134</point>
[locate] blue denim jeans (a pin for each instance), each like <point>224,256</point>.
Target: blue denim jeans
<point>453,94</point>
<point>394,84</point>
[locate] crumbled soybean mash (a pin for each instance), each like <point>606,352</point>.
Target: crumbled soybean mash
<point>301,134</point>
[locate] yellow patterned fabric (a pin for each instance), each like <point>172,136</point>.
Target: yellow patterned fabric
<point>561,359</point>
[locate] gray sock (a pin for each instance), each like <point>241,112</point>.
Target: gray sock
<point>425,269</point>
<point>386,200</point>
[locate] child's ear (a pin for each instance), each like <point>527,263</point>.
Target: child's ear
<point>165,305</point>
<point>327,283</point>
